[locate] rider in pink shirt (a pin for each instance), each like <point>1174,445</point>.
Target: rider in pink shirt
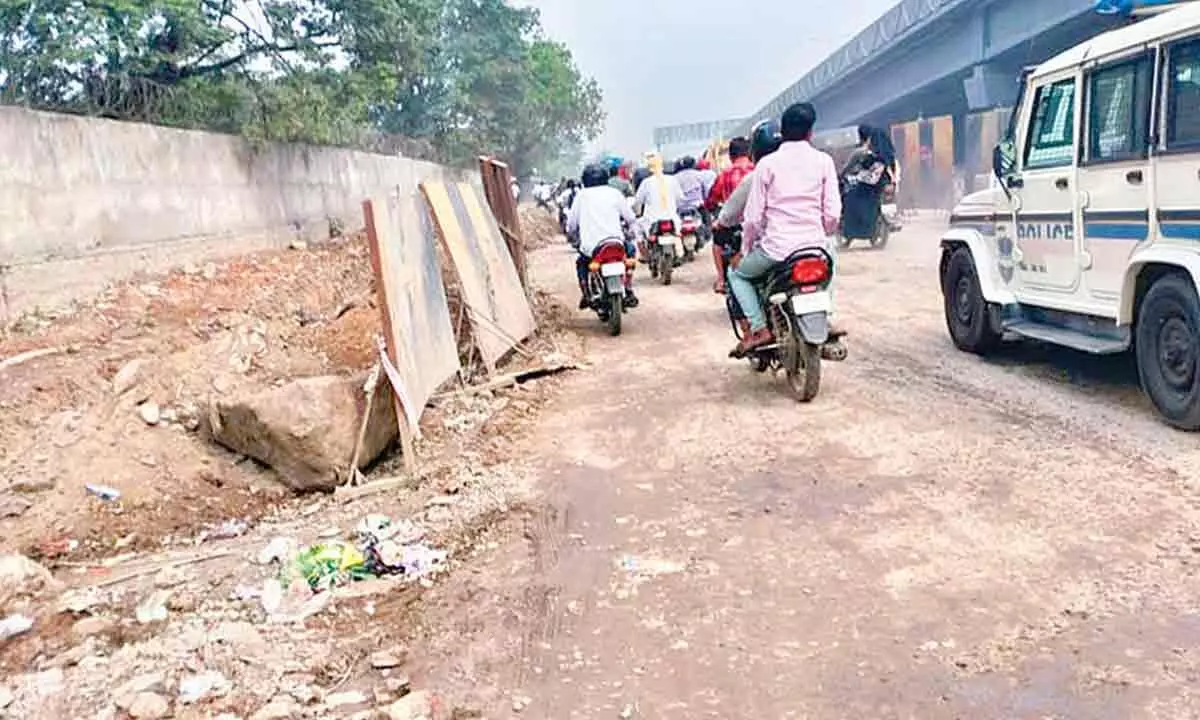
<point>794,203</point>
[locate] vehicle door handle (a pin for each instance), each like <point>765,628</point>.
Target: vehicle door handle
<point>1062,183</point>
<point>1133,177</point>
<point>1017,182</point>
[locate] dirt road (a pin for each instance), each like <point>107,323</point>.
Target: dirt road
<point>935,537</point>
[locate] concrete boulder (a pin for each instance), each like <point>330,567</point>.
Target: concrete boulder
<point>306,429</point>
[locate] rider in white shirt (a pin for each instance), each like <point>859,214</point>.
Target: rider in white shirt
<point>659,195</point>
<point>599,214</point>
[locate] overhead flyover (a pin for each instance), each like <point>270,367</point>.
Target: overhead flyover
<point>942,57</point>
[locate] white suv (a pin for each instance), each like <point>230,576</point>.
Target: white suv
<point>1091,239</point>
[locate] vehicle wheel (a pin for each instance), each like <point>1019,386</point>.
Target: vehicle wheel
<point>615,310</point>
<point>801,360</point>
<point>883,233</point>
<point>667,267</point>
<point>654,262</point>
<point>967,315</point>
<point>1168,350</point>
<point>803,369</point>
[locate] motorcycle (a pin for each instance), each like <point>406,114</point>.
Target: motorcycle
<point>665,250</point>
<point>795,296</point>
<point>885,223</point>
<point>689,233</point>
<point>608,277</point>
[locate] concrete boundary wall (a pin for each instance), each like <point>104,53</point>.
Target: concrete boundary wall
<point>85,202</point>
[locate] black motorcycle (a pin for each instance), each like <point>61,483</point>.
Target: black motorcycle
<point>795,296</point>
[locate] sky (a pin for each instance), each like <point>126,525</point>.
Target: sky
<point>669,62</point>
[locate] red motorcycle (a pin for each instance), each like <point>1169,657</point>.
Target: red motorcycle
<point>610,275</point>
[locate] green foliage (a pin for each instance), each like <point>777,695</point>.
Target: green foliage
<point>459,77</point>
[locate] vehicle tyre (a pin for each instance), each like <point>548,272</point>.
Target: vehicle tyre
<point>655,260</point>
<point>967,314</point>
<point>801,360</point>
<point>667,266</point>
<point>615,310</point>
<point>883,233</point>
<point>803,370</point>
<point>1167,345</point>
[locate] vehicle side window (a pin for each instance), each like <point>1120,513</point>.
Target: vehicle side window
<point>1052,130</point>
<point>1183,95</point>
<point>1119,111</point>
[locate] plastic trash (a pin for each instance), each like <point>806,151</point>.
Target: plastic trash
<point>104,492</point>
<point>328,564</point>
<point>14,625</point>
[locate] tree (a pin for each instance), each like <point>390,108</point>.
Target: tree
<point>463,76</point>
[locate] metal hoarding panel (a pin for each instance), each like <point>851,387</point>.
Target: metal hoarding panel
<point>416,319</point>
<point>498,308</point>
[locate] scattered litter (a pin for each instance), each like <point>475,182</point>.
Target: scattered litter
<point>306,583</point>
<point>651,566</point>
<point>272,596</point>
<point>195,688</point>
<point>325,565</point>
<point>14,625</point>
<point>154,607</point>
<point>104,492</point>
<point>279,549</point>
<point>150,413</point>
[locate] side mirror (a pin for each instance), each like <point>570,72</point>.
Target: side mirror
<point>1004,162</point>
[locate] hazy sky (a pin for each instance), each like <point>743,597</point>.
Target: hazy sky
<point>665,62</point>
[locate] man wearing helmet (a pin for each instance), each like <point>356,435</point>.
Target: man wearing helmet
<point>792,203</point>
<point>600,213</point>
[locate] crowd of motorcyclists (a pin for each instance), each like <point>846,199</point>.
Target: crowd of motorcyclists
<point>775,195</point>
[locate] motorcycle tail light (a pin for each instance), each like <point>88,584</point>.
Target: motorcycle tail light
<point>608,254</point>
<point>594,266</point>
<point>810,271</point>
<point>666,227</point>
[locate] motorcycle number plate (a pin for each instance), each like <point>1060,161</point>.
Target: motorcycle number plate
<point>670,240</point>
<point>612,269</point>
<point>811,303</point>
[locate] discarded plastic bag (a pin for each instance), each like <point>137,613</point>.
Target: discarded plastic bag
<point>328,564</point>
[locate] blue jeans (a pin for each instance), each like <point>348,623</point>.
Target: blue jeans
<point>753,266</point>
<point>741,280</point>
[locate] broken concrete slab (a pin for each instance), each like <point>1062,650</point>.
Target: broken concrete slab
<point>306,430</point>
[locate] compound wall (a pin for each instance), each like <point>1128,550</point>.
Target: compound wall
<point>85,201</point>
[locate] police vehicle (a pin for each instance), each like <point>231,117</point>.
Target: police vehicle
<point>1090,238</point>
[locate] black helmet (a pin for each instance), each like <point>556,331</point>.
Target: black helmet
<point>687,162</point>
<point>595,175</point>
<point>765,138</point>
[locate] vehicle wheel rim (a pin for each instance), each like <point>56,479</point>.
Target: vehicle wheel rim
<point>1177,354</point>
<point>964,301</point>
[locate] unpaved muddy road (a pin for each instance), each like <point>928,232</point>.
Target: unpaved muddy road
<point>937,536</point>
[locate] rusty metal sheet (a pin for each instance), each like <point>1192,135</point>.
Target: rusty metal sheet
<point>497,305</point>
<point>416,319</point>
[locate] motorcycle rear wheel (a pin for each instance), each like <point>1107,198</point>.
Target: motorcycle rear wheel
<point>666,266</point>
<point>615,310</point>
<point>801,360</point>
